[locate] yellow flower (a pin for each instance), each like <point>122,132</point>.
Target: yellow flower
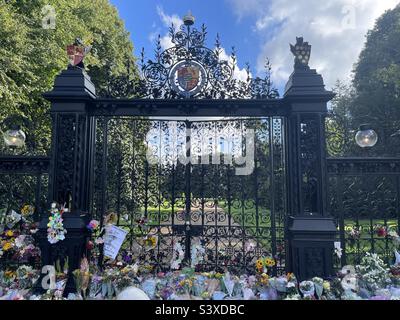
<point>205,295</point>
<point>153,241</point>
<point>264,278</point>
<point>27,210</point>
<point>9,274</point>
<point>7,246</point>
<point>186,282</point>
<point>259,265</point>
<point>270,262</point>
<point>327,286</point>
<point>9,233</point>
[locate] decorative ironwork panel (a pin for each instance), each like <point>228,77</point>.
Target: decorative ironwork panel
<point>189,69</point>
<point>364,197</point>
<point>24,180</point>
<point>214,188</point>
<point>310,152</point>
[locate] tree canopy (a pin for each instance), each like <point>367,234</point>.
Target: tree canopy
<point>374,96</point>
<point>31,56</point>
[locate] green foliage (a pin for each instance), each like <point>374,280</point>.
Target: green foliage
<point>339,126</point>
<point>377,82</point>
<point>374,96</point>
<point>31,56</point>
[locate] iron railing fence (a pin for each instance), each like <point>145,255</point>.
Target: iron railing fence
<point>23,181</point>
<point>364,197</point>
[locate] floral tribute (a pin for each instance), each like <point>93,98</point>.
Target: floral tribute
<point>128,277</point>
<point>56,231</point>
<point>371,280</point>
<point>17,243</point>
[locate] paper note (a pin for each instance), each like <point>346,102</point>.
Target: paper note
<point>113,240</point>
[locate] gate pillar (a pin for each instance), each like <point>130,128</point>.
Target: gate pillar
<point>311,232</point>
<point>71,155</point>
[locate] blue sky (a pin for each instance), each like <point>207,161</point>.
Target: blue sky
<point>264,28</point>
<point>142,19</point>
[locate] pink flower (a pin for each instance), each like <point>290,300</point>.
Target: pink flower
<point>93,225</point>
<point>99,240</point>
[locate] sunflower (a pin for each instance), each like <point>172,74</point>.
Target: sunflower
<point>259,265</point>
<point>270,262</point>
<point>27,210</point>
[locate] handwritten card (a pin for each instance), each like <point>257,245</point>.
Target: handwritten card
<point>113,240</point>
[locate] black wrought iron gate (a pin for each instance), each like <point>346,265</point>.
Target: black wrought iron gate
<point>256,161</point>
<point>216,185</point>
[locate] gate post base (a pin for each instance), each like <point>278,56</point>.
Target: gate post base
<point>311,246</point>
<point>72,248</point>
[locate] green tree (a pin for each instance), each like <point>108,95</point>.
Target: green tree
<point>339,124</point>
<point>31,56</point>
<point>377,83</point>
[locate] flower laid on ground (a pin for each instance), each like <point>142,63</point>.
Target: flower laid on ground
<point>12,219</point>
<point>373,272</point>
<point>187,284</point>
<point>82,277</point>
<point>307,288</point>
<point>16,242</point>
<point>56,231</point>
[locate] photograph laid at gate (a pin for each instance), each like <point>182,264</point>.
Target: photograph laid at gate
<point>219,152</point>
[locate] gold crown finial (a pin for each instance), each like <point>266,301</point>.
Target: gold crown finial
<point>189,19</point>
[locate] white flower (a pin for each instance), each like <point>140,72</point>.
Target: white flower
<point>338,249</point>
<point>348,270</point>
<point>19,242</point>
<point>349,283</point>
<point>293,297</point>
<point>175,265</point>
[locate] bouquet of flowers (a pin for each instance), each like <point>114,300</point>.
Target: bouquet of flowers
<point>82,278</point>
<point>373,272</point>
<point>56,231</point>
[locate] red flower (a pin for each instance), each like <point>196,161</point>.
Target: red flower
<point>89,245</point>
<point>381,232</point>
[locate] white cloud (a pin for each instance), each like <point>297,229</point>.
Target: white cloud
<point>335,28</point>
<point>239,74</point>
<point>168,21</point>
<point>166,41</point>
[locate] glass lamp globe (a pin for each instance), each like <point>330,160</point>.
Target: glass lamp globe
<point>14,138</point>
<point>366,137</point>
